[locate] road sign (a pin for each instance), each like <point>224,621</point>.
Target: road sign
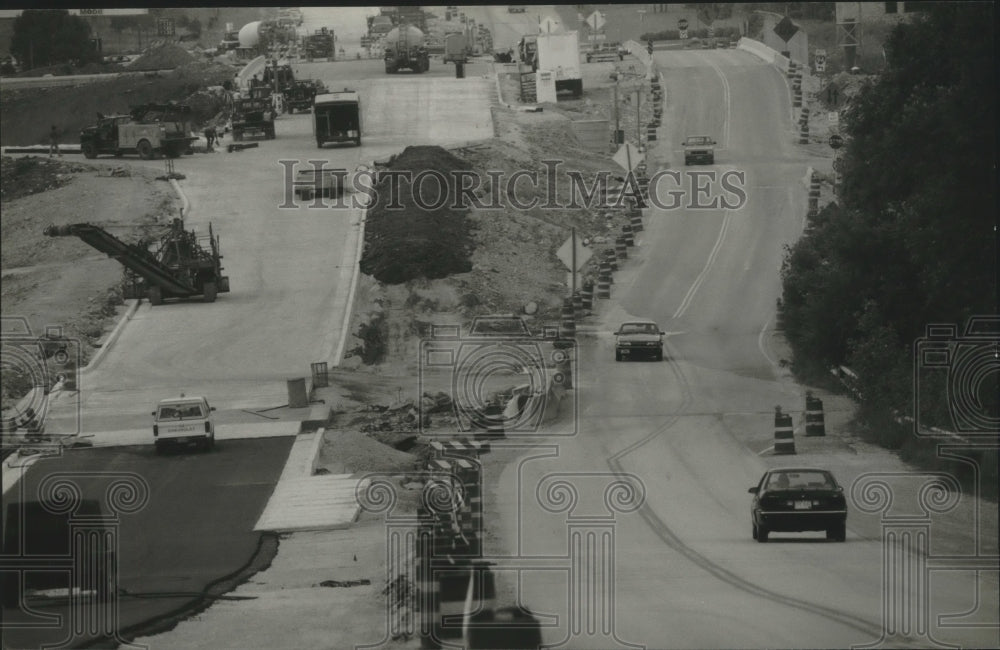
<point>596,20</point>
<point>836,142</point>
<point>627,155</point>
<point>581,18</point>
<point>548,26</point>
<point>682,34</point>
<point>819,60</point>
<point>786,29</point>
<point>833,118</point>
<point>565,253</point>
<point>682,24</point>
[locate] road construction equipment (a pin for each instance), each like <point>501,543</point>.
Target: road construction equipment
<point>320,45</point>
<point>181,264</point>
<point>254,116</point>
<point>405,49</point>
<point>149,130</point>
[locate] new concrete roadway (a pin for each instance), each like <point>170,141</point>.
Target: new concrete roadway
<point>682,571</point>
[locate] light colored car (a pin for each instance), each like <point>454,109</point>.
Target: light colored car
<point>699,149</point>
<point>183,421</point>
<point>639,338</point>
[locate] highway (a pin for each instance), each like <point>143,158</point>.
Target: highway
<point>676,568</point>
<point>682,571</point>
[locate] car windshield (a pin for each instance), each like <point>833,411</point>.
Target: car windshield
<point>499,326</point>
<point>697,139</point>
<point>191,411</point>
<point>639,328</point>
<point>800,480</point>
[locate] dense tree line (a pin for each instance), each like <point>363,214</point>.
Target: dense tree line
<point>43,37</point>
<point>912,239</point>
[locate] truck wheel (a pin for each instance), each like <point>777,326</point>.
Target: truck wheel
<point>145,150</point>
<point>155,296</point>
<point>209,292</point>
<point>89,150</point>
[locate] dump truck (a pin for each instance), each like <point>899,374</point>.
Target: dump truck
<point>404,48</point>
<point>149,130</point>
<point>253,117</point>
<point>560,53</point>
<point>320,44</point>
<point>337,118</point>
<point>180,265</point>
<point>456,48</point>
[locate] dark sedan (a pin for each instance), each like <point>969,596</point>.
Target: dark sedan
<point>798,499</point>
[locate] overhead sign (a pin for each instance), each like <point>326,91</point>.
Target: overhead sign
<point>596,20</point>
<point>565,253</point>
<point>628,157</point>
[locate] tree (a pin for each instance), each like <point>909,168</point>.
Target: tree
<point>43,37</point>
<point>913,240</point>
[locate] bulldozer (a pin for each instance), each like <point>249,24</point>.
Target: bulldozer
<point>180,265</point>
<point>150,130</point>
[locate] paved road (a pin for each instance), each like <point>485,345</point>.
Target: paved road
<point>289,267</point>
<point>196,527</point>
<point>684,568</point>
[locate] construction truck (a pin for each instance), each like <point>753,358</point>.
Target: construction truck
<point>337,118</point>
<point>404,48</point>
<point>320,45</point>
<point>456,48</point>
<point>302,93</point>
<point>560,54</point>
<point>254,116</point>
<point>180,265</point>
<point>278,77</point>
<point>149,130</point>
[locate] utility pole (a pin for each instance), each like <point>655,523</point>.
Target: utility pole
<point>638,126</point>
<point>572,272</point>
<point>617,122</point>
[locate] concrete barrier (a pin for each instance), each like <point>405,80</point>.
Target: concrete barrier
<point>764,52</point>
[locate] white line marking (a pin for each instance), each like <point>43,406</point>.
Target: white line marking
<point>704,272</point>
<point>726,94</point>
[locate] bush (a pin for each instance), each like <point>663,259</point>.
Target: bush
<point>374,337</point>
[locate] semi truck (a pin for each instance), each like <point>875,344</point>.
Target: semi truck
<point>405,49</point>
<point>560,54</point>
<point>337,118</point>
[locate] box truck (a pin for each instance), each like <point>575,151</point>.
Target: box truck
<point>337,118</point>
<point>560,54</point>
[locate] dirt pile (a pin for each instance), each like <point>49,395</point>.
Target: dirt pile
<point>417,228</point>
<point>29,175</point>
<point>165,57</point>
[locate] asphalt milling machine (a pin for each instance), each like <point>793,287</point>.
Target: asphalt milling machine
<point>181,264</point>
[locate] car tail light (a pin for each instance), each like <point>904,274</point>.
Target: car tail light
<point>156,430</point>
<point>208,427</point>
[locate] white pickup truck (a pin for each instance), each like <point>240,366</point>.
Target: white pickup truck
<point>183,421</point>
